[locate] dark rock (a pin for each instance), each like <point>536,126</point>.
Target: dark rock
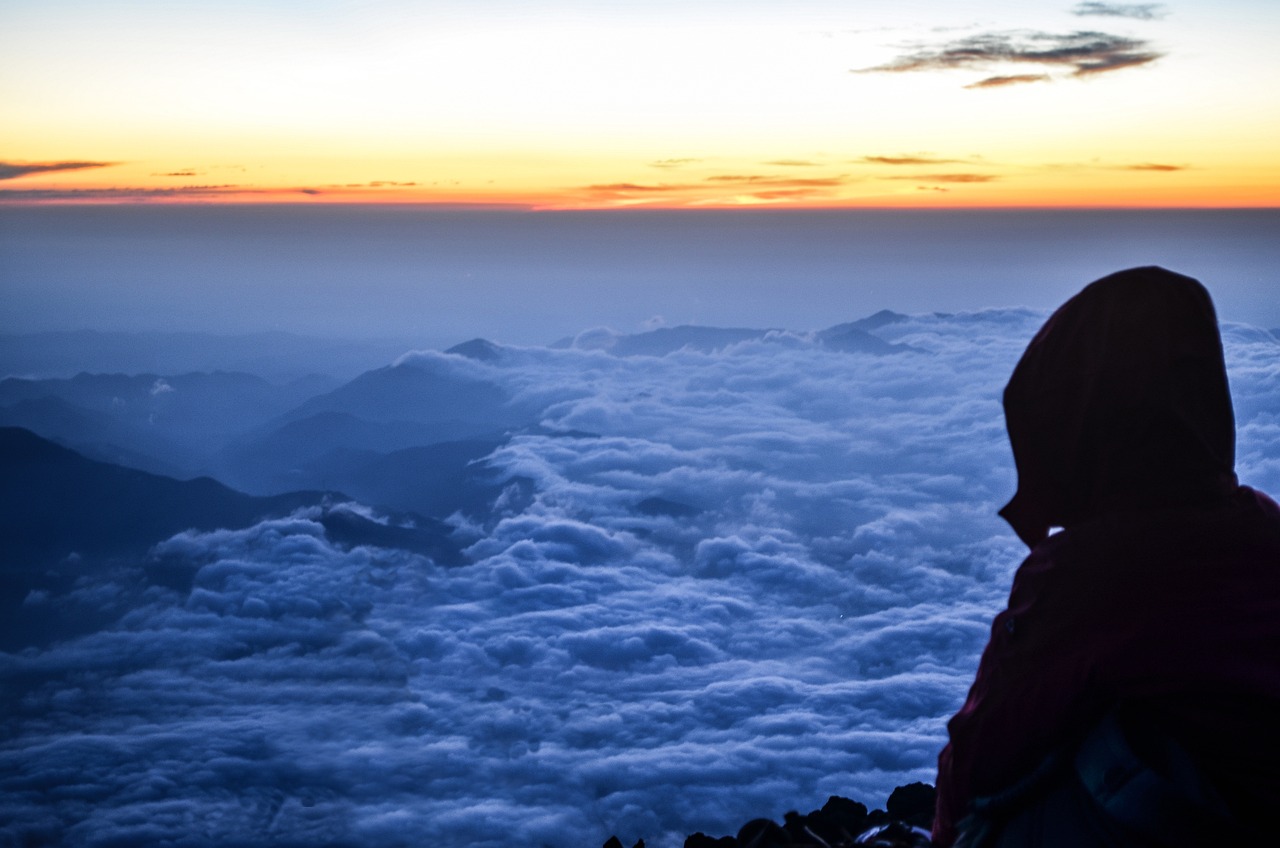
<point>701,840</point>
<point>794,824</point>
<point>762,833</point>
<point>615,842</point>
<point>837,825</point>
<point>844,816</point>
<point>913,804</point>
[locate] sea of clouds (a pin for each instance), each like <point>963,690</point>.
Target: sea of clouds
<point>740,582</point>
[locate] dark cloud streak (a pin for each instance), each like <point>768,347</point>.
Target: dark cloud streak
<point>1010,79</point>
<point>762,186</point>
<point>1136,11</point>
<point>777,181</point>
<point>1153,166</point>
<point>947,178</point>
<point>906,160</point>
<point>13,170</point>
<point>1084,52</point>
<point>119,193</point>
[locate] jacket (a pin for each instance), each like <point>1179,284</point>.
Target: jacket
<point>1161,593</point>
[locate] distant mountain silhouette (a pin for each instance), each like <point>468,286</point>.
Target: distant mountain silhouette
<point>666,340</point>
<point>883,318</point>
<point>274,355</point>
<point>851,337</point>
<point>435,480</point>
<point>62,514</point>
<point>480,349</point>
<point>422,392</point>
<point>663,340</point>
<point>164,424</point>
<point>97,435</point>
<point>57,502</point>
<point>196,405</point>
<point>847,338</point>
<point>310,451</point>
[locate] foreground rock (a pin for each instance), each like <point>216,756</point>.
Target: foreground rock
<point>836,825</point>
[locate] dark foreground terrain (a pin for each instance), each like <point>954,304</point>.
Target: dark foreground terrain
<point>837,824</point>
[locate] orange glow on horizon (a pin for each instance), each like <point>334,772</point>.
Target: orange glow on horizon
<point>888,179</point>
<point>567,107</point>
<point>923,198</point>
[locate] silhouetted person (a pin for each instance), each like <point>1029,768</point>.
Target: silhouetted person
<point>1130,692</point>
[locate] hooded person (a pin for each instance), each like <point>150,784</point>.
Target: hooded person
<point>1130,691</point>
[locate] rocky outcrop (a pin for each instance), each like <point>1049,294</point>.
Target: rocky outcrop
<point>836,825</point>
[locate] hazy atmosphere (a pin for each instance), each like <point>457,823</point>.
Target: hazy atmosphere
<point>436,278</point>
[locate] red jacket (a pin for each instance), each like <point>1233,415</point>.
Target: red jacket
<point>1163,590</point>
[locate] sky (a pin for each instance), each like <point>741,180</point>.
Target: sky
<point>555,105</point>
<point>798,621</point>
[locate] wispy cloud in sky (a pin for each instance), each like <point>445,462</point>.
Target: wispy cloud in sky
<point>768,179</point>
<point>764,187</point>
<point>947,178</point>
<point>1137,11</point>
<point>224,191</point>
<point>1153,166</point>
<point>121,193</point>
<point>609,188</point>
<point>1085,53</point>
<point>906,160</point>
<point>13,170</point>
<point>787,194</point>
<point>1009,79</point>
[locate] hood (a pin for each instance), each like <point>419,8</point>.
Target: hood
<point>1120,402</point>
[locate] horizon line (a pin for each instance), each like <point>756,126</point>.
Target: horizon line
<point>481,206</point>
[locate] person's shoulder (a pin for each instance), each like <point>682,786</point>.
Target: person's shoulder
<point>1255,499</point>
<point>1062,567</point>
<point>1256,518</point>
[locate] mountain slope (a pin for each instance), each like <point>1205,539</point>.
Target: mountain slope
<point>453,403</point>
<point>55,502</point>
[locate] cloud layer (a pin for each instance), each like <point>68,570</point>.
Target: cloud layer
<point>717,580</point>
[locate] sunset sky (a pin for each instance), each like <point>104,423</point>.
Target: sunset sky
<point>605,104</point>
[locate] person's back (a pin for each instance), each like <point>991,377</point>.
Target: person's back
<point>1155,611</point>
